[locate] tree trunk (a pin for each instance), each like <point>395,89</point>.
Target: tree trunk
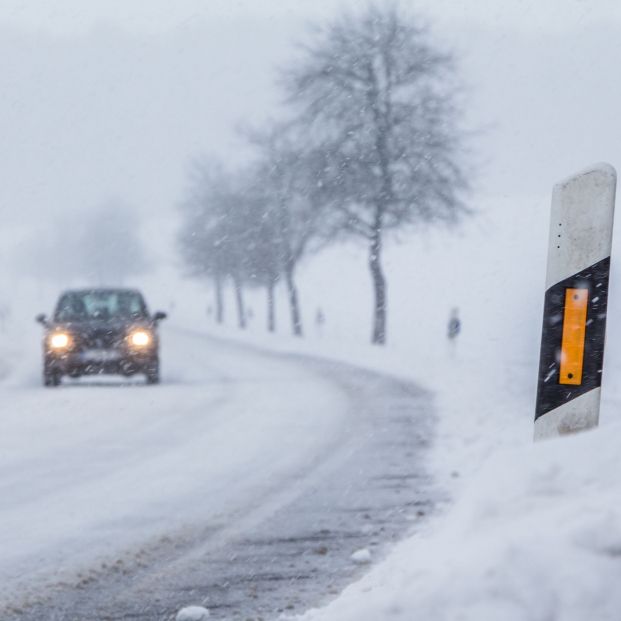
<point>241,310</point>
<point>219,299</point>
<point>379,285</point>
<point>294,304</point>
<point>271,311</point>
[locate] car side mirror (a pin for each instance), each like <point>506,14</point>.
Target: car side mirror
<point>159,315</point>
<point>41,318</point>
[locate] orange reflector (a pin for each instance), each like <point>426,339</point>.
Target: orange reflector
<point>574,329</point>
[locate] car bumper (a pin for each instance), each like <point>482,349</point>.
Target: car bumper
<point>104,361</point>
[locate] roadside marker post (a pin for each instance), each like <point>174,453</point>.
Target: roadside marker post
<point>576,300</point>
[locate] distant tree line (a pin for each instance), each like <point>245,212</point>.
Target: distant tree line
<point>100,246</point>
<point>371,144</point>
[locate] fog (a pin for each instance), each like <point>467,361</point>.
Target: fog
<point>118,100</point>
<point>347,307</point>
<point>115,99</point>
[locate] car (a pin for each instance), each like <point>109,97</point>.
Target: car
<point>94,331</point>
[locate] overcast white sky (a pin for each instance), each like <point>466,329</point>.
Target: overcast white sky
<point>70,16</point>
<point>113,97</point>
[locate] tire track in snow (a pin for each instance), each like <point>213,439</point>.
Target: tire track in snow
<point>289,546</point>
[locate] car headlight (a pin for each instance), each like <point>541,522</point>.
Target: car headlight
<point>140,338</point>
<point>59,340</point>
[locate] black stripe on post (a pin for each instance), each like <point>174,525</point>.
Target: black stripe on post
<point>550,392</point>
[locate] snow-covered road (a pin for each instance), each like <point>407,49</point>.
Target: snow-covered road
<point>244,482</point>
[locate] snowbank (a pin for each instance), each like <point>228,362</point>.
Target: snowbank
<point>531,532</point>
<point>535,534</point>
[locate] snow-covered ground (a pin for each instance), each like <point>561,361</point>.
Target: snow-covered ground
<point>532,532</point>
<point>103,100</point>
<point>243,474</point>
<point>529,532</point>
<point>93,469</point>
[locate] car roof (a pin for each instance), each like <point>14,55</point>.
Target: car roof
<point>102,290</point>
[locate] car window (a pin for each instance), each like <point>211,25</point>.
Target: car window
<point>83,305</point>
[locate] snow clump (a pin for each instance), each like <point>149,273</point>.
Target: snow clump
<point>192,613</point>
<point>361,557</point>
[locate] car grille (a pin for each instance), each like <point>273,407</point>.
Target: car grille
<point>101,339</point>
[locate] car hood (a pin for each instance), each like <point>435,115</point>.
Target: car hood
<point>112,325</point>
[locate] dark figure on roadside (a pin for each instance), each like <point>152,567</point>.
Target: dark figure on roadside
<point>454,325</point>
<point>320,320</point>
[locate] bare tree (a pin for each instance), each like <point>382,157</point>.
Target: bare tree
<point>217,233</point>
<point>263,258</point>
<point>288,176</point>
<point>200,239</point>
<point>379,100</point>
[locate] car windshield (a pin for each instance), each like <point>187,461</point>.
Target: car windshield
<point>83,305</point>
